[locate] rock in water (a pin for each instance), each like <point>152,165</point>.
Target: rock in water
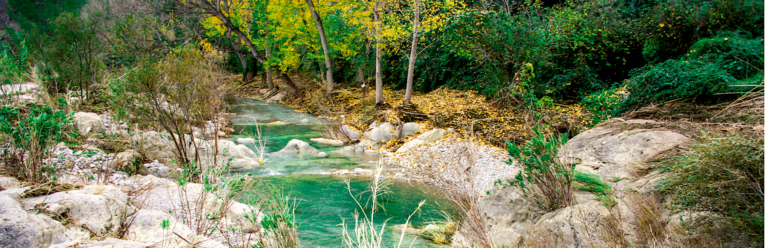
<point>327,141</point>
<point>298,147</point>
<point>246,140</point>
<point>88,122</point>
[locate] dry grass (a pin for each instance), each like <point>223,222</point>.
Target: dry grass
<point>48,188</point>
<point>648,220</point>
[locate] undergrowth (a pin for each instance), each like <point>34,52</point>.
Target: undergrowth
<point>544,179</point>
<point>723,177</point>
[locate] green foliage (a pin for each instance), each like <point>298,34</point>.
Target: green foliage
<point>739,56</point>
<point>544,180</point>
<point>33,130</point>
<point>670,27</point>
<point>602,104</point>
<point>675,79</point>
<point>593,183</point>
<point>76,54</point>
<point>723,176</point>
<point>39,14</point>
<point>595,44</point>
<point>13,58</point>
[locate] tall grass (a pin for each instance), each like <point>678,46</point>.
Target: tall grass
<point>544,180</point>
<point>366,233</point>
<point>593,183</point>
<point>724,177</point>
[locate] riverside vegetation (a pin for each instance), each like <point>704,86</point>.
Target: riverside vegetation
<point>594,123</point>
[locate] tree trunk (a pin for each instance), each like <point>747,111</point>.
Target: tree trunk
<point>296,92</point>
<point>324,43</point>
<point>379,81</point>
<point>268,54</point>
<point>412,58</point>
<point>360,75</point>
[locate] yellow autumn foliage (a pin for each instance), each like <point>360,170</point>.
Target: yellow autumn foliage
<point>469,113</point>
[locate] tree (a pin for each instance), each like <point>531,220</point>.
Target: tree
<point>412,56</point>
<point>376,26</point>
<point>222,13</point>
<point>324,43</point>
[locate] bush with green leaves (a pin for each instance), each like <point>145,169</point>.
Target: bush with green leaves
<point>13,58</point>
<point>76,54</point>
<point>544,179</point>
<point>675,79</point>
<point>31,132</point>
<point>602,104</point>
<point>670,27</point>
<point>724,178</point>
<point>739,56</point>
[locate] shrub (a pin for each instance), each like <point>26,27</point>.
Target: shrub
<point>13,58</point>
<point>31,134</point>
<point>740,57</point>
<point>176,95</point>
<point>544,179</point>
<point>602,104</point>
<point>723,176</point>
<point>76,55</point>
<point>675,79</point>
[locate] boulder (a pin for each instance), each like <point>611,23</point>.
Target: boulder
<point>242,156</point>
<point>126,161</point>
<point>100,209</point>
<point>387,127</point>
<point>377,136</point>
<point>88,122</point>
<point>23,229</point>
<point>246,140</point>
<point>112,243</point>
<point>357,172</point>
<point>9,182</point>
<point>575,226</point>
<point>350,132</point>
<point>607,150</point>
<point>243,217</point>
<point>156,146</point>
<point>428,137</point>
<point>147,227</point>
<point>325,141</point>
<point>321,155</point>
<point>277,98</point>
<point>165,196</point>
<point>298,147</point>
<point>409,129</point>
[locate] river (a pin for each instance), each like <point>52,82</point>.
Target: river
<point>323,200</point>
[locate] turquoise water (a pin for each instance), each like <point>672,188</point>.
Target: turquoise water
<point>323,200</point>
